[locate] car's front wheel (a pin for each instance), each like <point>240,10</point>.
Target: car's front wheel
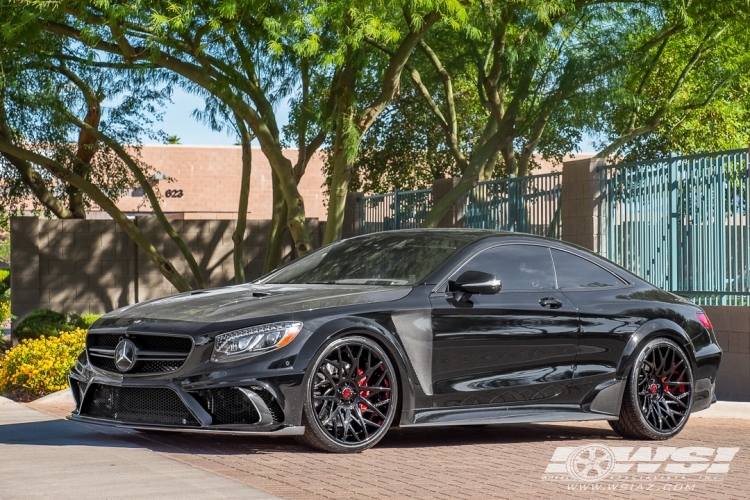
<point>351,396</point>
<point>658,395</point>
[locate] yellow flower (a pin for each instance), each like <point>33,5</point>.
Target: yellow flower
<point>41,365</point>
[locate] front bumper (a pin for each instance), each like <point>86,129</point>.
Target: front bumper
<point>248,398</point>
<point>163,405</point>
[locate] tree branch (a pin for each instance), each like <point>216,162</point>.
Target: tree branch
<point>101,199</point>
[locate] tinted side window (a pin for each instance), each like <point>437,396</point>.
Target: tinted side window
<point>519,267</point>
<point>575,272</point>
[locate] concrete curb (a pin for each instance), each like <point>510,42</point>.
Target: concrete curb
<point>63,396</point>
<point>725,409</point>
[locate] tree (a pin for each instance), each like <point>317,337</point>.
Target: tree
<point>218,47</point>
<point>544,72</point>
<point>45,86</point>
<point>691,95</point>
<point>362,71</point>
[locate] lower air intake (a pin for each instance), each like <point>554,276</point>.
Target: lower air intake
<point>137,405</point>
<point>227,406</point>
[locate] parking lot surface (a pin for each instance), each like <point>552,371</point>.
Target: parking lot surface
<point>510,461</point>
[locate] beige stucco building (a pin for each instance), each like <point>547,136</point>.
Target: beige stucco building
<point>205,183</point>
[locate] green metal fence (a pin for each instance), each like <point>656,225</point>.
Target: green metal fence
<point>397,210</point>
<point>681,223</point>
<point>528,204</point>
<point>525,204</point>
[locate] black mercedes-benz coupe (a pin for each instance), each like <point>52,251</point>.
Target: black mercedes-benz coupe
<point>408,328</point>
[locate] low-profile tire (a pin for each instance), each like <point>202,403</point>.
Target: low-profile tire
<point>658,395</point>
<point>351,396</point>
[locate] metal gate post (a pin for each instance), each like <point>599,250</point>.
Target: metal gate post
<point>512,203</point>
<point>396,210</point>
<point>673,244</point>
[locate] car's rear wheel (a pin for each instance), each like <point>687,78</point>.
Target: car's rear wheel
<point>658,395</point>
<point>351,395</point>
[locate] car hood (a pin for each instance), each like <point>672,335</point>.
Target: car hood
<point>234,303</point>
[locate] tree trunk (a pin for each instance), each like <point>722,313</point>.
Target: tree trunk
<point>239,232</point>
<point>278,228</point>
<point>345,146</point>
<point>86,150</point>
<point>150,194</point>
<point>488,144</point>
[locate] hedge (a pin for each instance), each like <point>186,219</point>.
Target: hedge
<point>4,295</point>
<point>48,323</point>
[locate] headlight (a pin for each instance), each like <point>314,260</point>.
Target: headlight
<point>254,340</point>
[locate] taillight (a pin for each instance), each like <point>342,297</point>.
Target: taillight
<point>704,320</point>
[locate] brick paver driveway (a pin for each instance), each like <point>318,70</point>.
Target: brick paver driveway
<point>506,461</point>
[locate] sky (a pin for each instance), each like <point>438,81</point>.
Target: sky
<point>177,121</point>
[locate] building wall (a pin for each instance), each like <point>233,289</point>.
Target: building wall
<point>207,180</point>
<point>92,266</point>
<point>732,327</point>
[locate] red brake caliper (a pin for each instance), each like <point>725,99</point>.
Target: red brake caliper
<point>679,379</point>
<point>362,382</point>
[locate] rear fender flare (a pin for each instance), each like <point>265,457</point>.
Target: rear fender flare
<point>645,333</point>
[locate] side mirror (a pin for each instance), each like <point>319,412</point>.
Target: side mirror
<point>475,282</point>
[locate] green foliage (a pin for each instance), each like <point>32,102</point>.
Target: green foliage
<point>526,78</point>
<point>82,321</point>
<point>44,80</point>
<point>4,296</point>
<point>46,322</point>
<point>4,236</point>
<point>43,322</point>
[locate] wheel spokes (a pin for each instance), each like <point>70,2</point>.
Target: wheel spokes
<point>664,388</point>
<point>351,393</point>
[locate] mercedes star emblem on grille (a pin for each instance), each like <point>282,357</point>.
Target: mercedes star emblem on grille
<point>125,355</point>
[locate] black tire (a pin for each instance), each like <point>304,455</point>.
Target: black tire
<point>349,410</point>
<point>658,395</point>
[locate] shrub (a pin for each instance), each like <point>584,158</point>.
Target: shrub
<point>4,310</point>
<point>4,295</point>
<point>43,322</point>
<point>41,366</point>
<point>50,323</point>
<point>83,321</point>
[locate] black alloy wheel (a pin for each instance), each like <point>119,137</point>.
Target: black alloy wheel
<point>351,396</point>
<point>659,393</point>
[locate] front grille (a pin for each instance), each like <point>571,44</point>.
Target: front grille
<point>137,405</point>
<point>156,353</point>
<point>227,406</point>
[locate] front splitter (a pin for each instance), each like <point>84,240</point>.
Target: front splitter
<point>297,430</point>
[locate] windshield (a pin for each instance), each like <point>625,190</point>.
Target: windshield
<point>378,259</point>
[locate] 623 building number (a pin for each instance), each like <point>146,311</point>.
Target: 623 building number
<point>173,193</point>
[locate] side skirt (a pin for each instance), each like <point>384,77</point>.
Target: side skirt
<point>501,415</point>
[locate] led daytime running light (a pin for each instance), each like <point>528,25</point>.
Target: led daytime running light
<point>254,340</point>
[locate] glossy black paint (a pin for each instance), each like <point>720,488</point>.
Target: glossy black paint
<point>517,355</point>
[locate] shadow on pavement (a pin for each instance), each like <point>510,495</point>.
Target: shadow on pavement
<point>57,433</point>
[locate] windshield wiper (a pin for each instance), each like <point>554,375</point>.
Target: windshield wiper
<point>320,283</point>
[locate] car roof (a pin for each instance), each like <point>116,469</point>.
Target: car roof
<point>468,234</point>
<point>475,235</point>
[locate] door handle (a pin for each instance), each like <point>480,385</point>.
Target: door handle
<point>550,302</point>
